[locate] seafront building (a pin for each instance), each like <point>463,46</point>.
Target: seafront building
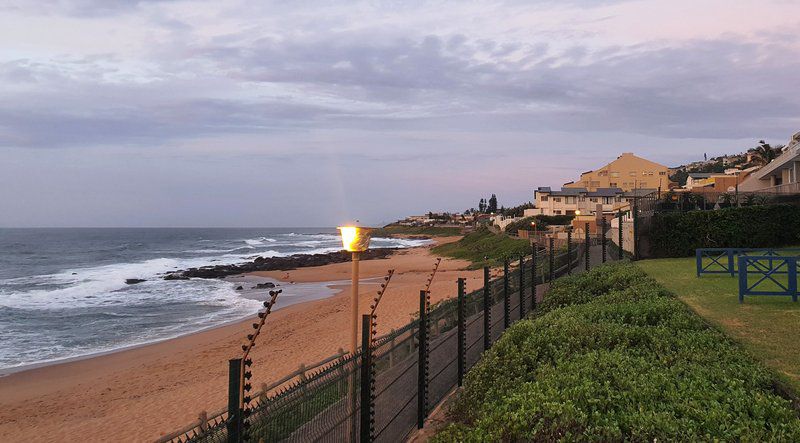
<point>569,201</point>
<point>627,172</point>
<point>781,175</point>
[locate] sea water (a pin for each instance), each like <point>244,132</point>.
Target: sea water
<point>63,292</point>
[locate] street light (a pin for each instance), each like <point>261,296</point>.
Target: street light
<point>578,212</point>
<point>355,239</point>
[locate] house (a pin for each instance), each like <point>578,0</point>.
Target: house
<point>717,182</point>
<point>581,201</point>
<point>779,176</point>
<point>627,172</point>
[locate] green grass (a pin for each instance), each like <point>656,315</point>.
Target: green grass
<point>484,248</point>
<point>766,326</point>
<point>432,231</point>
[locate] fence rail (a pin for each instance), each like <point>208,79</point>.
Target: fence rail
<point>403,374</point>
<point>774,276</point>
<point>726,260</point>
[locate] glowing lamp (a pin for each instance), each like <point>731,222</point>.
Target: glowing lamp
<point>578,212</point>
<point>355,238</point>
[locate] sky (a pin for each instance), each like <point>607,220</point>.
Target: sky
<point>314,113</point>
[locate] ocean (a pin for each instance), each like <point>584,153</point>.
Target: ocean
<point>63,292</point>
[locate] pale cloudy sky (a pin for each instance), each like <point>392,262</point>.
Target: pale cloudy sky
<point>240,113</point>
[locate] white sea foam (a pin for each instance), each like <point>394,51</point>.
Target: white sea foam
<point>99,296</point>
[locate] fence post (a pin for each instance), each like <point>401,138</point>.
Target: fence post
<point>603,236</point>
<point>742,277</point>
<point>366,374</point>
<point>731,254</point>
<point>487,306</point>
<point>635,228</point>
<point>422,375</point>
<point>521,287</point>
<point>569,250</point>
<point>552,260</point>
<point>533,278</point>
<point>506,297</point>
<point>587,247</point>
<point>621,248</point>
<point>792,263</point>
<point>234,400</point>
<point>462,332</point>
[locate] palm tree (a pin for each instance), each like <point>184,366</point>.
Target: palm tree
<point>764,153</point>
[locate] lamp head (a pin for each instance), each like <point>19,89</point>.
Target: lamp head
<point>578,212</point>
<point>355,238</point>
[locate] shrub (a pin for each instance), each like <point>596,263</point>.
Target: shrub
<point>679,234</point>
<point>620,360</point>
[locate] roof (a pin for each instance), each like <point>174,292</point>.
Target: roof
<point>700,174</point>
<point>600,192</point>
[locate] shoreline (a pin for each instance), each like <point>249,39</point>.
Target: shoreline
<point>165,384</point>
<point>331,287</point>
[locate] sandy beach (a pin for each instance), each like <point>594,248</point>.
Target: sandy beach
<point>142,393</point>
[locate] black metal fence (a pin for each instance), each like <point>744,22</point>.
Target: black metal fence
<point>399,378</point>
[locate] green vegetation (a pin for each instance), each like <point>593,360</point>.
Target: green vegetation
<point>542,222</point>
<point>766,326</point>
<point>679,234</point>
<point>431,231</point>
<point>613,356</point>
<point>484,248</point>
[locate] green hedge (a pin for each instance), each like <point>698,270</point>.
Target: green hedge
<point>679,234</point>
<point>611,356</point>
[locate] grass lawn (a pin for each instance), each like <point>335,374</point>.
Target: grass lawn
<point>769,327</point>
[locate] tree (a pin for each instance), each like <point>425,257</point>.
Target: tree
<point>492,204</point>
<point>482,206</point>
<point>764,153</point>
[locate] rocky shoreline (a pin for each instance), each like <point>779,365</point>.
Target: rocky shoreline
<point>276,264</point>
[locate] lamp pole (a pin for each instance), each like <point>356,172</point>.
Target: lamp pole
<point>355,239</point>
<point>354,304</point>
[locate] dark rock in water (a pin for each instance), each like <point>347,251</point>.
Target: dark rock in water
<point>239,288</point>
<point>74,273</point>
<point>276,264</point>
<point>133,281</point>
<point>264,285</point>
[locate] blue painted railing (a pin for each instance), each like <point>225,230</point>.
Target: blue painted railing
<point>775,276</point>
<point>725,260</point>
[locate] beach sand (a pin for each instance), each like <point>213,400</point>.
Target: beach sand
<point>142,393</point>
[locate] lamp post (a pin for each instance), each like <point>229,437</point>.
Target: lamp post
<point>355,239</point>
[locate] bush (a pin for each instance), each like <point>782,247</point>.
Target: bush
<point>679,234</point>
<point>620,360</point>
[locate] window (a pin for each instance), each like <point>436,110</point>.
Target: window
<point>593,199</point>
<point>557,212</point>
<point>647,173</point>
<point>613,184</point>
<point>557,199</point>
<point>633,173</point>
<point>544,198</point>
<point>570,200</point>
<point>602,173</point>
<point>662,173</point>
<point>615,174</point>
<point>570,212</point>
